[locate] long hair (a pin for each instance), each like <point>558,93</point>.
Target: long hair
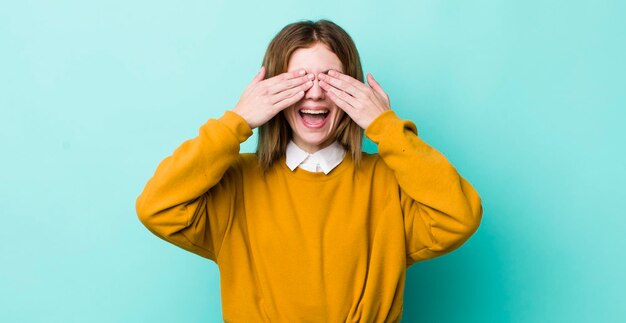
<point>276,133</point>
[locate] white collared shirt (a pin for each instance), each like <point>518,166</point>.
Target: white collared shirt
<point>323,160</point>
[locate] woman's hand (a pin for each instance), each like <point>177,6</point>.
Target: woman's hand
<point>361,102</point>
<point>263,99</point>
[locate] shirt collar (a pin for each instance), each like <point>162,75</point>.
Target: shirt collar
<point>327,158</point>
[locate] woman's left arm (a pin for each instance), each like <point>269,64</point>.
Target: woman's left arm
<point>441,209</point>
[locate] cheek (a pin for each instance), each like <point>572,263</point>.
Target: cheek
<point>289,113</point>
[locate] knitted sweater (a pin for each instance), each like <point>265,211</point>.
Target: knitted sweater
<point>299,246</point>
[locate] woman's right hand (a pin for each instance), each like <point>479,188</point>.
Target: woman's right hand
<point>263,99</point>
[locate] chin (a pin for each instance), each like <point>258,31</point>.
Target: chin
<point>312,140</point>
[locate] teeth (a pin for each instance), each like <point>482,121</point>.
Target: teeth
<point>314,111</point>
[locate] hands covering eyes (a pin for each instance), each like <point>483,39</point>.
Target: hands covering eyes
<point>263,99</point>
<point>361,102</point>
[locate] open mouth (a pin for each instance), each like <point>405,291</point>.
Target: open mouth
<point>314,118</point>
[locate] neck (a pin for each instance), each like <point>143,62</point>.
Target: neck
<point>311,149</point>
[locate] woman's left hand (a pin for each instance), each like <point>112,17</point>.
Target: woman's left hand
<point>361,102</point>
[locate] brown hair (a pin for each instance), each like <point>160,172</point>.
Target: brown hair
<point>275,134</point>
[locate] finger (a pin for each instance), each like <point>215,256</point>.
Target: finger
<point>288,84</point>
<point>376,86</point>
<point>289,92</point>
<point>354,102</point>
<point>343,100</point>
<point>257,78</point>
<point>285,76</point>
<point>289,101</point>
<point>347,78</point>
<point>344,85</point>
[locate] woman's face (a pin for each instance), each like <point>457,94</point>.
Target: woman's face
<point>314,118</point>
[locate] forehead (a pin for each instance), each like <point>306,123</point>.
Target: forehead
<point>315,59</point>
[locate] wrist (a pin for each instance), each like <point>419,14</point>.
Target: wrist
<point>243,116</point>
<point>237,124</point>
<point>377,128</point>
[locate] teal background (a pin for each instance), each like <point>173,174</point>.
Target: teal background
<point>526,98</point>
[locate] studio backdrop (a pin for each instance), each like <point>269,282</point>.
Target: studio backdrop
<point>525,98</point>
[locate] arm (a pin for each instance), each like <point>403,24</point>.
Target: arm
<point>189,200</point>
<point>441,209</point>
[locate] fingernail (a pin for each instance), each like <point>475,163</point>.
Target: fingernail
<point>310,76</point>
<point>301,72</point>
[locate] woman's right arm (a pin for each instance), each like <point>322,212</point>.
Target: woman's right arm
<point>189,199</point>
<point>192,196</point>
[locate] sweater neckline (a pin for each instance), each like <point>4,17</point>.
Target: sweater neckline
<point>317,176</point>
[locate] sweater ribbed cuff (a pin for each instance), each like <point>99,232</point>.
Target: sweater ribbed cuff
<point>237,124</point>
<point>377,129</point>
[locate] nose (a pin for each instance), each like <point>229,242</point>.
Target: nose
<point>315,92</point>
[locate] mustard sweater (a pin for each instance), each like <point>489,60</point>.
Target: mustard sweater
<point>307,247</point>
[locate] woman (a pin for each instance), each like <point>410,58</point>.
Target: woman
<point>310,229</point>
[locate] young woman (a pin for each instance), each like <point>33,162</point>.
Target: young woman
<point>309,228</point>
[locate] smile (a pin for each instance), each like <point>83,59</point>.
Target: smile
<point>314,118</point>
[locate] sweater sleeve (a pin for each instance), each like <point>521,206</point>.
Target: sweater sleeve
<point>191,198</point>
<point>441,209</point>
